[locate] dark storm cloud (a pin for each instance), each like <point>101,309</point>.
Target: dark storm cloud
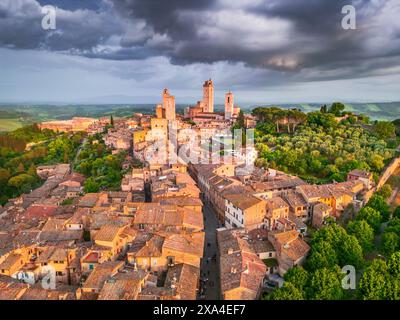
<point>163,16</point>
<point>309,33</point>
<point>303,39</point>
<point>313,21</point>
<point>73,4</point>
<point>79,30</point>
<point>314,16</point>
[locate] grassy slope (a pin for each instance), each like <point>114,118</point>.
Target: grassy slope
<point>9,124</point>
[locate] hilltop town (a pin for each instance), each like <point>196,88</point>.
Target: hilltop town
<point>146,221</point>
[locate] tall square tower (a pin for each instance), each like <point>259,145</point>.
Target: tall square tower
<point>168,105</point>
<point>208,96</point>
<point>229,105</point>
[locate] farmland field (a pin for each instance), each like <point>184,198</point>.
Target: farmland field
<point>9,124</point>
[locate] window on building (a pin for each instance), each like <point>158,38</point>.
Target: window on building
<point>171,260</point>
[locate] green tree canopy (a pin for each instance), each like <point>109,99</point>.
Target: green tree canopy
<point>332,245</point>
<point>385,129</point>
<point>287,292</point>
<point>375,282</point>
<point>326,284</point>
<point>396,212</point>
<point>326,120</point>
<point>394,265</point>
<point>22,182</point>
<point>363,232</point>
<point>337,108</point>
<point>389,243</point>
<point>378,203</point>
<point>4,176</point>
<point>298,276</point>
<point>385,191</point>
<point>371,216</point>
<point>91,185</point>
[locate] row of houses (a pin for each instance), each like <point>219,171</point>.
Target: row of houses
<point>263,217</point>
<point>278,201</point>
<point>107,245</point>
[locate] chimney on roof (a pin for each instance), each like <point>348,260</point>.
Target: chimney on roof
<point>233,270</point>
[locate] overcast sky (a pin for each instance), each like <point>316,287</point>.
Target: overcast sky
<point>265,51</point>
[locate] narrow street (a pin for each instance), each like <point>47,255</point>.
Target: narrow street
<point>209,266</point>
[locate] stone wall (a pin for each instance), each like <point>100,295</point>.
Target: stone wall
<point>392,167</point>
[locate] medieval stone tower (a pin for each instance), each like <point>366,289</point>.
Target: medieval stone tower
<point>168,105</point>
<point>208,96</point>
<point>229,105</point>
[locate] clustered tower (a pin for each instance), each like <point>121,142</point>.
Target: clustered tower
<point>168,105</point>
<point>229,103</point>
<point>208,96</point>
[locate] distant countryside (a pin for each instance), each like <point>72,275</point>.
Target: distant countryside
<point>13,116</point>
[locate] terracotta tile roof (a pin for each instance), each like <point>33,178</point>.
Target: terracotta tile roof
<point>236,189</point>
<point>64,235</point>
<point>75,177</point>
<point>276,203</point>
<point>100,219</point>
<point>184,278</point>
<point>181,201</point>
<point>296,249</point>
<point>6,281</point>
<point>360,173</point>
<point>11,261</point>
<point>89,296</point>
<point>295,199</point>
<point>101,273</point>
<point>167,215</point>
<point>290,244</point>
<point>123,286</point>
<point>52,254</point>
<point>12,292</point>
<point>54,224</point>
<point>108,233</point>
<point>40,211</point>
<point>91,257</point>
<point>280,182</point>
<point>239,264</point>
<point>192,243</point>
<point>157,293</point>
<point>42,294</point>
<point>315,191</point>
<point>243,201</point>
<point>89,200</point>
<point>118,194</point>
<point>148,247</point>
<point>77,216</point>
